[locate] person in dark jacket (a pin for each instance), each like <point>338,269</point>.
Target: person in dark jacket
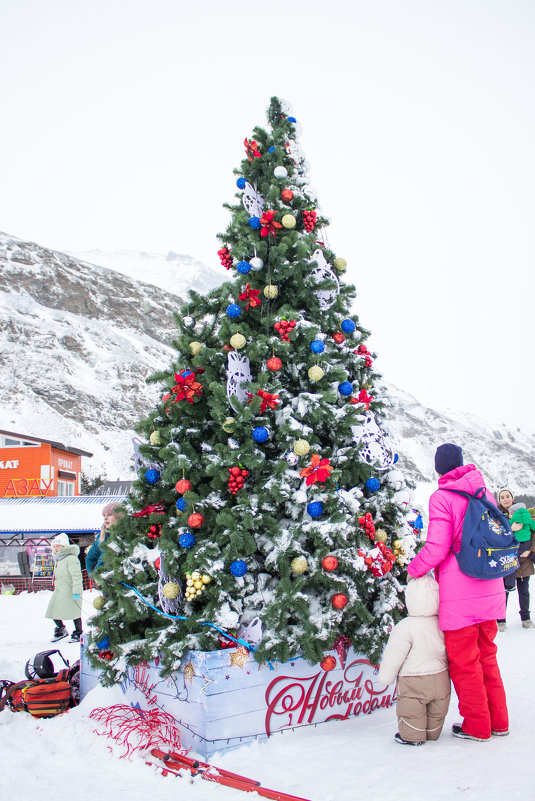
<point>524,530</point>
<point>93,560</point>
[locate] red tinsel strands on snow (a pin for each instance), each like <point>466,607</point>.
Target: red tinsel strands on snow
<point>319,470</point>
<point>251,149</point>
<point>136,729</point>
<point>268,400</point>
<point>186,387</point>
<point>269,223</point>
<point>309,220</point>
<point>225,257</point>
<point>156,509</point>
<point>250,295</point>
<point>342,645</point>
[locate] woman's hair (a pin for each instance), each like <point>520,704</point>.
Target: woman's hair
<point>113,508</point>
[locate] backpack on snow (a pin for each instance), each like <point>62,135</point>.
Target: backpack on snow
<point>44,693</point>
<point>489,548</point>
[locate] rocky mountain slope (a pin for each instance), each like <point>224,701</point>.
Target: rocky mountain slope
<point>78,340</point>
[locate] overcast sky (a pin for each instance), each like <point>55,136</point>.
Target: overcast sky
<point>122,123</point>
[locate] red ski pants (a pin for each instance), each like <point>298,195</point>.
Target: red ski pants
<point>476,677</point>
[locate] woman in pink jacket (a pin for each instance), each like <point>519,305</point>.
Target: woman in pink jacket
<point>469,607</point>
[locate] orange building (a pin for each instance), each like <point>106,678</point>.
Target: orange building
<point>34,467</point>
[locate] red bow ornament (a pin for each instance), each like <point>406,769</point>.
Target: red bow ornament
<point>319,470</point>
<point>186,387</point>
<point>251,149</point>
<point>364,398</point>
<point>250,295</point>
<point>156,509</point>
<point>269,224</point>
<point>268,400</point>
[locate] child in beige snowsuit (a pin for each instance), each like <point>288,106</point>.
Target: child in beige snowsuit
<point>415,654</point>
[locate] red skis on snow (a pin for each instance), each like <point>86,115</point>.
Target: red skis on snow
<point>174,763</point>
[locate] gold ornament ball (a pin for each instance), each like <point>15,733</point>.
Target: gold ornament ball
<point>271,291</point>
<point>205,579</point>
<point>155,438</point>
<point>237,341</point>
<point>288,221</point>
<point>299,565</point>
<point>397,544</point>
<point>301,447</point>
<point>189,582</point>
<point>171,589</point>
<point>340,264</point>
<point>99,602</point>
<point>381,535</point>
<point>315,373</point>
<point>198,584</point>
<point>228,424</point>
<point>195,348</point>
<point>195,575</point>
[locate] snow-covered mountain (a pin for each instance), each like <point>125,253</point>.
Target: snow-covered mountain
<point>77,341</point>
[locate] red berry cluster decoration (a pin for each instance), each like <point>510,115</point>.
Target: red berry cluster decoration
<point>154,532</point>
<point>309,219</point>
<point>362,350</point>
<point>237,478</point>
<point>366,522</point>
<point>284,327</point>
<point>225,257</point>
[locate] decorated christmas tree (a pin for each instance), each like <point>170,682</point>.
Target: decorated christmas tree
<point>268,512</point>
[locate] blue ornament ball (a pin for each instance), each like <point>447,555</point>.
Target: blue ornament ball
<point>271,149</point>
<point>372,484</point>
<point>103,644</point>
<point>291,119</point>
<point>260,434</point>
<point>243,267</point>
<point>254,222</point>
<point>315,508</point>
<point>345,388</point>
<point>347,326</point>
<point>233,310</point>
<point>238,568</point>
<point>186,373</point>
<point>181,504</point>
<point>152,476</point>
<point>317,346</point>
<point>240,183</point>
<point>187,540</point>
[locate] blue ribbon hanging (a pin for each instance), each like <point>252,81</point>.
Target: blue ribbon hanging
<point>205,623</point>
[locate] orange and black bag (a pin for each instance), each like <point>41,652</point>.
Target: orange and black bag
<point>46,698</point>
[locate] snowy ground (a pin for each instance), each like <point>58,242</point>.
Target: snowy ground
<point>62,758</point>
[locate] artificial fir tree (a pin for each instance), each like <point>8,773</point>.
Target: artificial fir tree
<point>267,504</point>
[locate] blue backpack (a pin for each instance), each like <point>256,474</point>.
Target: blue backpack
<point>489,548</point>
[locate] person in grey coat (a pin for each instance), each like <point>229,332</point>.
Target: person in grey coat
<point>66,601</point>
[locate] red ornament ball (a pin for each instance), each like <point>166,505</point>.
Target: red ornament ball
<point>154,532</point>
<point>339,337</point>
<point>328,663</point>
<point>287,195</point>
<point>195,520</point>
<point>274,364</point>
<point>329,563</point>
<point>182,486</point>
<point>339,600</point>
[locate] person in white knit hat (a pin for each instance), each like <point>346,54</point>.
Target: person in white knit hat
<point>66,601</point>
